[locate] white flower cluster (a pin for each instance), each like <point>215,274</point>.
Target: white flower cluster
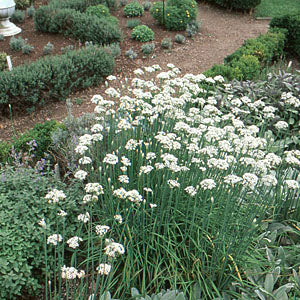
<point>55,196</point>
<point>54,239</point>
<point>101,229</point>
<point>84,217</point>
<point>74,242</point>
<point>69,273</point>
<point>113,249</point>
<point>104,269</point>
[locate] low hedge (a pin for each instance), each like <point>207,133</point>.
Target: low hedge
<point>245,5</point>
<point>80,26</point>
<point>247,62</point>
<point>80,5</point>
<point>53,78</point>
<point>292,24</point>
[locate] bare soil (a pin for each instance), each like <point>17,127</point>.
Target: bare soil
<point>221,33</point>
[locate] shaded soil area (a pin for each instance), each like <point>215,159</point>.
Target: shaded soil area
<point>221,33</point>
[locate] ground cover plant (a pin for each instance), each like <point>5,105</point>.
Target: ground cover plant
<point>173,189</point>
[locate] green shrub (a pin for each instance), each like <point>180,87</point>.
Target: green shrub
<point>113,49</point>
<point>226,71</point>
<point>146,5</point>
<point>237,4</point>
<point>54,77</point>
<point>179,38</point>
<point>177,13</point>
<point>123,2</point>
<point>18,16</point>
<point>133,9</point>
<point>80,26</point>
<point>133,23</point>
<point>22,206</point>
<point>131,54</point>
<point>249,66</point>
<point>22,4</point>
<point>5,148</point>
<point>148,49</point>
<point>16,44</point>
<point>166,43</point>
<point>30,11</point>
<point>3,61</point>
<point>142,33</point>
<point>48,49</point>
<point>292,24</point>
<point>98,10</point>
<point>193,28</point>
<point>66,49</point>
<point>80,5</point>
<point>41,134</point>
<point>27,49</point>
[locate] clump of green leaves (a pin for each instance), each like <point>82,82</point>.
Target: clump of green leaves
<point>133,23</point>
<point>146,5</point>
<point>133,9</point>
<point>166,43</point>
<point>179,38</point>
<point>131,54</point>
<point>142,33</point>
<point>16,44</point>
<point>27,49</point>
<point>193,28</point>
<point>30,11</point>
<point>148,49</point>
<point>48,49</point>
<point>98,10</point>
<point>3,61</point>
<point>113,49</point>
<point>67,48</point>
<point>18,16</point>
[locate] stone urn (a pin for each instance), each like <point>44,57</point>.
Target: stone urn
<point>7,8</point>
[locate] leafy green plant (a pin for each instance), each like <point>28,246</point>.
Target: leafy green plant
<point>1,37</point>
<point>22,4</point>
<point>3,61</point>
<point>133,9</point>
<point>27,49</point>
<point>80,26</point>
<point>148,49</point>
<point>142,33</point>
<point>123,2</point>
<point>5,148</point>
<point>133,23</point>
<point>179,38</point>
<point>18,16</point>
<point>162,295</point>
<point>63,73</point>
<point>30,11</point>
<point>64,50</point>
<point>16,44</point>
<point>48,49</point>
<point>244,5</point>
<point>166,43</point>
<point>113,49</point>
<point>131,54</point>
<point>193,28</point>
<point>146,5</point>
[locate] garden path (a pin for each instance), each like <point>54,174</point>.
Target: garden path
<point>221,33</point>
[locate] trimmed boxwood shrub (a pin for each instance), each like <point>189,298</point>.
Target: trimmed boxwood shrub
<point>102,12</point>
<point>237,4</point>
<point>142,33</point>
<point>53,78</point>
<point>80,5</point>
<point>292,24</point>
<point>133,9</point>
<point>80,26</point>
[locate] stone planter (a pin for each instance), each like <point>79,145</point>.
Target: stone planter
<point>7,8</point>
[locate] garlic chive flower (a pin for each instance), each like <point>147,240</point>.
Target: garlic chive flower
<point>84,217</point>
<point>55,196</point>
<point>71,273</point>
<point>54,239</point>
<point>104,269</point>
<point>101,229</point>
<point>74,242</point>
<point>81,175</point>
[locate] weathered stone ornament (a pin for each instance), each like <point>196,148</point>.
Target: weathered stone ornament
<point>7,28</point>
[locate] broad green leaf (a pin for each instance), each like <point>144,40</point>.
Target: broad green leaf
<point>269,283</point>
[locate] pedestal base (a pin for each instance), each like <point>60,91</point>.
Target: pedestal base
<point>8,29</point>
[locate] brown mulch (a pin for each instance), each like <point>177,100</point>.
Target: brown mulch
<point>221,33</point>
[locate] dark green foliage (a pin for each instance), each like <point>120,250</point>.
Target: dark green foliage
<point>98,10</point>
<point>41,134</point>
<point>113,49</point>
<point>146,5</point>
<point>226,71</point>
<point>18,16</point>
<point>78,25</point>
<point>193,28</point>
<point>142,33</point>
<point>22,4</point>
<point>177,13</point>
<point>80,5</point>
<point>54,78</point>
<point>133,9</point>
<point>237,4</point>
<point>22,206</point>
<point>3,62</point>
<point>4,151</point>
<point>292,24</point>
<point>249,66</point>
<point>27,49</point>
<point>30,11</point>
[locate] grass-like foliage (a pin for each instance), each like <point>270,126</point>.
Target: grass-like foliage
<point>174,189</point>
